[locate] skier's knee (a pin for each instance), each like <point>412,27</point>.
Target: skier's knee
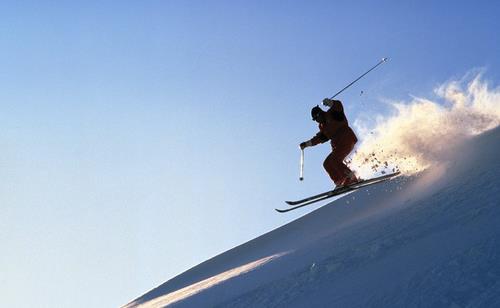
<point>327,163</point>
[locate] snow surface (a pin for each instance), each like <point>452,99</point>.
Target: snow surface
<point>431,240</point>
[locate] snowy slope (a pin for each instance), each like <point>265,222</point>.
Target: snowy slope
<point>432,240</point>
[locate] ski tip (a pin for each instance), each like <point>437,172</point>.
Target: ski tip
<point>280,211</point>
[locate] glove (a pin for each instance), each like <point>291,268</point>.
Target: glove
<point>306,144</point>
<point>329,102</point>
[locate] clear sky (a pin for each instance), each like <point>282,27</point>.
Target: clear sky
<point>140,138</point>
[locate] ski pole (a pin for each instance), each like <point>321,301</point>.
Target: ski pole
<point>301,177</point>
<point>371,69</point>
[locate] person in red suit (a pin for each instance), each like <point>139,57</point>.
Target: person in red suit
<point>333,126</point>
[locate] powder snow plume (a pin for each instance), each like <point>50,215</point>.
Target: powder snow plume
<point>421,132</point>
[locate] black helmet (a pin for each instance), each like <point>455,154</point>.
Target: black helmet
<point>316,112</point>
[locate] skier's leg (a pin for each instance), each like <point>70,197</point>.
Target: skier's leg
<point>344,173</point>
<point>331,166</point>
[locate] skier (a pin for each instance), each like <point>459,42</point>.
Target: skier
<point>333,126</point>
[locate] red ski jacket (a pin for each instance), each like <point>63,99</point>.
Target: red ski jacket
<point>336,128</point>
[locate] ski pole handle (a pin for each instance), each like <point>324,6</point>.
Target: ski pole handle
<point>301,177</point>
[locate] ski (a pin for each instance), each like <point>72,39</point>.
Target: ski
<point>360,183</point>
<point>309,198</point>
<point>335,192</point>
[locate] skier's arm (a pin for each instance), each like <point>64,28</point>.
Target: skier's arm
<point>336,109</point>
<point>319,138</point>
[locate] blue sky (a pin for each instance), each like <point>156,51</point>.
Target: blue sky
<point>141,138</point>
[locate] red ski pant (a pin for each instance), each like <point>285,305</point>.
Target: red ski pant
<point>334,163</point>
